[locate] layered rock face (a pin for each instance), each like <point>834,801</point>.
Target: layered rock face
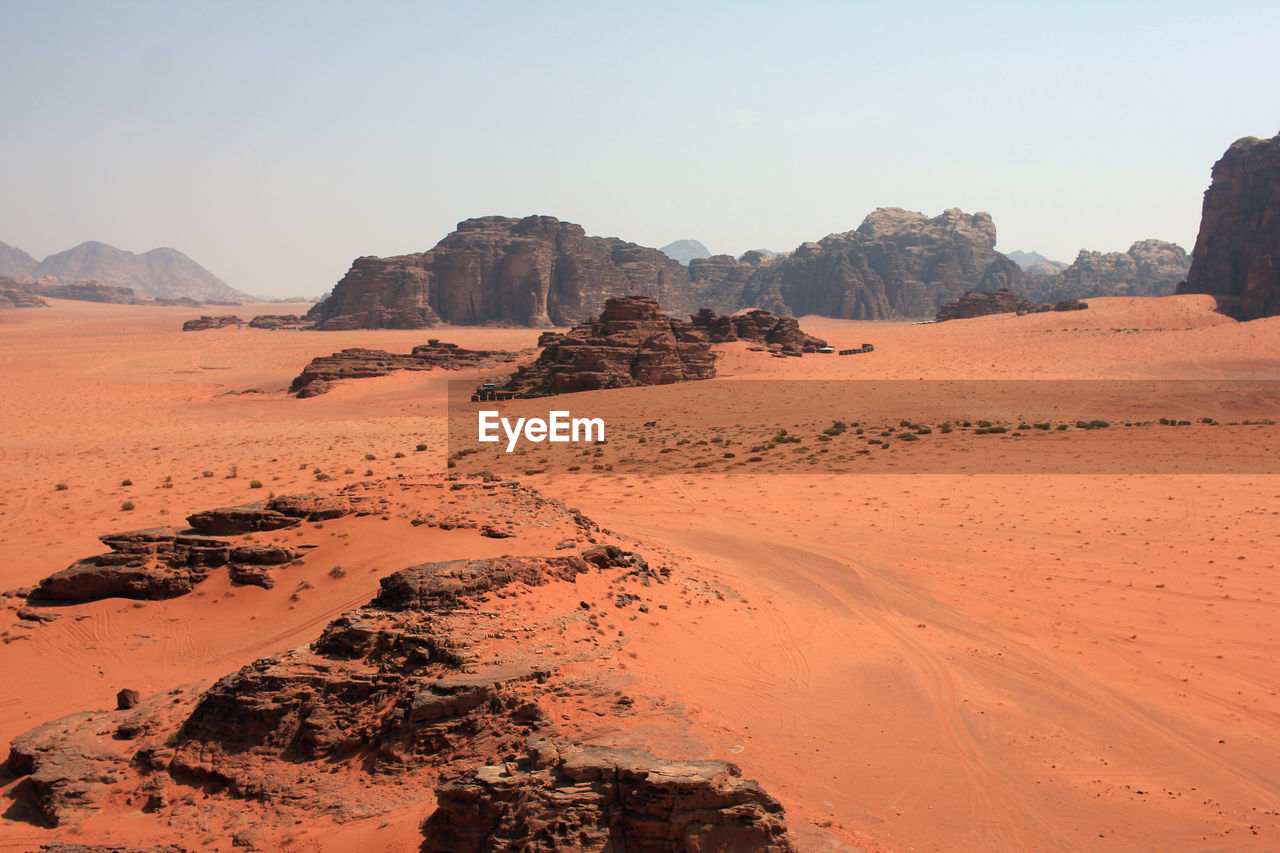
<point>1149,268</point>
<point>632,343</point>
<point>536,271</point>
<point>561,796</point>
<point>91,291</point>
<point>357,363</point>
<point>1001,302</point>
<point>1237,252</point>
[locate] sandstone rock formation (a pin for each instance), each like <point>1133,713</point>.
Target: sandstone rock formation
<point>1001,302</point>
<point>632,343</point>
<point>207,322</point>
<point>1149,268</point>
<point>896,264</point>
<point>276,321</point>
<point>561,796</point>
<point>14,296</point>
<point>1237,252</point>
<point>356,363</point>
<point>92,291</point>
<point>758,326</point>
<point>536,271</point>
<point>165,562</point>
<point>539,271</point>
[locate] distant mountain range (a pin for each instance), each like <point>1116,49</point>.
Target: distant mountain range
<point>1034,261</point>
<point>685,251</point>
<point>160,274</point>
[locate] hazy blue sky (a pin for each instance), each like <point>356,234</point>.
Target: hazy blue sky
<point>274,142</point>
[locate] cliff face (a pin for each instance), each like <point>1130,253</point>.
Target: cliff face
<point>536,271</point>
<point>1149,268</point>
<point>1237,252</point>
<point>539,271</point>
<point>896,264</point>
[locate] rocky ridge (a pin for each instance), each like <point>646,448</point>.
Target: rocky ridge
<point>539,271</point>
<point>207,322</point>
<point>1001,302</point>
<point>165,562</point>
<point>1237,253</point>
<point>1148,268</point>
<point>357,363</point>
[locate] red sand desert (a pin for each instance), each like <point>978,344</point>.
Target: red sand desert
<point>907,661</point>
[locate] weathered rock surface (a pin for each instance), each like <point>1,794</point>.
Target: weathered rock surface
<point>1149,268</point>
<point>535,271</point>
<point>157,563</point>
<point>71,764</point>
<point>356,363</point>
<point>271,514</point>
<point>758,326</point>
<point>1001,302</point>
<point>276,321</point>
<point>632,343</point>
<point>207,322</point>
<point>1237,252</point>
<point>561,796</point>
<point>165,562</point>
<point>896,264</point>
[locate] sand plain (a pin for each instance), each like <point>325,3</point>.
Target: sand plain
<point>992,660</point>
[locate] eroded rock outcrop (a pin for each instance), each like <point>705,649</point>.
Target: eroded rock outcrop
<point>758,326</point>
<point>276,321</point>
<point>631,343</point>
<point>1237,252</point>
<point>204,322</point>
<point>356,363</point>
<point>92,291</point>
<point>535,271</point>
<point>1149,268</point>
<point>561,796</point>
<point>1001,302</point>
<point>13,296</point>
<point>895,264</point>
<point>166,562</point>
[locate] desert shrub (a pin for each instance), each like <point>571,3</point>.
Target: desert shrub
<point>337,572</point>
<point>755,459</point>
<point>127,506</point>
<point>990,430</point>
<point>420,447</point>
<point>1043,426</point>
<point>255,484</point>
<point>945,428</point>
<point>233,472</point>
<point>206,473</point>
<point>909,436</point>
<point>369,457</point>
<point>322,476</point>
<point>126,482</point>
<point>983,424</point>
<point>398,455</point>
<point>924,430</point>
<point>729,456</point>
<point>1062,427</point>
<point>60,487</point>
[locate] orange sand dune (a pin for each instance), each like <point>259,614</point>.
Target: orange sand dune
<point>911,661</point>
